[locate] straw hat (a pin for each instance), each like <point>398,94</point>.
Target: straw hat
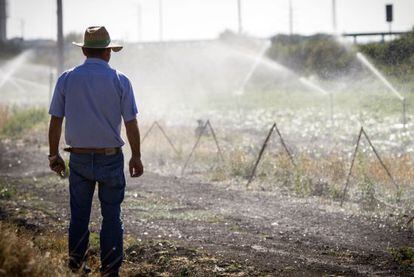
<point>98,37</point>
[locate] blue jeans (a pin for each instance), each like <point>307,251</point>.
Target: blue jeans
<point>108,171</point>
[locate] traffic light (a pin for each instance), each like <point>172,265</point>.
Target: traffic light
<point>388,9</point>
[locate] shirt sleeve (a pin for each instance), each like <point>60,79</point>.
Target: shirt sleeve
<point>129,108</point>
<point>57,105</point>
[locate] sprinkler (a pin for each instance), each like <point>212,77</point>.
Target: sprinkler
<point>256,63</point>
<point>381,77</point>
<point>312,86</point>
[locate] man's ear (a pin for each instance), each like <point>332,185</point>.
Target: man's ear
<point>107,53</point>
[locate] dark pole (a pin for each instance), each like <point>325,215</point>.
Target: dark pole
<point>194,148</point>
<point>331,107</point>
<point>239,13</point>
<point>60,54</point>
<point>334,20</point>
<point>404,119</point>
<point>3,20</point>
<point>352,166</point>
<point>139,27</point>
<point>261,154</point>
<point>290,18</point>
<point>161,20</point>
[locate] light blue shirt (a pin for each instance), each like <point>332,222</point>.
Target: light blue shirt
<point>93,98</point>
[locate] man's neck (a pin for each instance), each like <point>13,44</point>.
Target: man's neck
<point>99,58</point>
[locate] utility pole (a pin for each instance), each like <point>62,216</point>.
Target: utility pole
<point>60,57</point>
<point>139,27</point>
<point>290,18</point>
<point>3,20</point>
<point>334,20</point>
<point>239,13</point>
<point>22,25</point>
<point>160,20</point>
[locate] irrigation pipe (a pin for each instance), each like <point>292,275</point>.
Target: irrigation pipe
<point>272,129</point>
<point>379,159</point>
<point>198,141</point>
<point>148,132</point>
<point>374,70</point>
<point>411,220</point>
<point>215,140</point>
<point>284,146</point>
<point>365,61</point>
<point>156,124</point>
<point>362,132</point>
<point>167,138</point>
<point>352,166</point>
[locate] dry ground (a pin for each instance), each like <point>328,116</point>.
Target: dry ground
<point>185,227</point>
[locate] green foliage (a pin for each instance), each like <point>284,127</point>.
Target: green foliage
<point>395,58</point>
<point>403,256</point>
<point>23,120</point>
<point>319,54</point>
<point>94,243</point>
<point>367,191</point>
<point>6,192</point>
<point>323,56</point>
<point>9,50</point>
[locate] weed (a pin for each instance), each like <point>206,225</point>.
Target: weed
<point>20,256</point>
<point>4,115</point>
<point>6,192</point>
<point>403,256</point>
<point>239,165</point>
<point>367,191</point>
<point>22,120</point>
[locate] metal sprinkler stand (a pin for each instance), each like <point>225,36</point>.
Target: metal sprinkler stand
<point>362,132</point>
<point>156,124</point>
<point>220,153</point>
<point>272,129</point>
<point>404,115</point>
<point>331,107</point>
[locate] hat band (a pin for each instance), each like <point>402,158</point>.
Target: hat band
<point>97,43</point>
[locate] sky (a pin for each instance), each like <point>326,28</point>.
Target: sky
<point>133,20</point>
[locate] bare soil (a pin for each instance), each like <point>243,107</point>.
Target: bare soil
<point>224,231</point>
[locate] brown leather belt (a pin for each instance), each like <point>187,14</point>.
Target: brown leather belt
<point>105,151</point>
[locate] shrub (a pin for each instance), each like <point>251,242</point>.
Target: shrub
<point>319,54</point>
<point>23,120</point>
<point>395,58</point>
<point>20,256</point>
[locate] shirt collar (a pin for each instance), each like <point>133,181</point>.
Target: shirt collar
<point>96,61</point>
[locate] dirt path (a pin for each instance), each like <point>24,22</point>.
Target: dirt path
<point>253,232</point>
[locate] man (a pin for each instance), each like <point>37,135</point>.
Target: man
<point>93,98</point>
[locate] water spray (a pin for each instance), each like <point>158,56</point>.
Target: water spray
<point>11,67</point>
<point>312,86</point>
<point>273,65</point>
<point>381,77</point>
<point>256,63</point>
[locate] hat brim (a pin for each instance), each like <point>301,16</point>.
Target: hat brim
<point>115,47</point>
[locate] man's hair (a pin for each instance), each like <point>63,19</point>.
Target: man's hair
<point>93,52</point>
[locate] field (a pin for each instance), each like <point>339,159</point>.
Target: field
<point>209,204</point>
<point>205,220</point>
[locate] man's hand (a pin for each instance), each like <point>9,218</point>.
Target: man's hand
<point>57,164</point>
<point>136,168</point>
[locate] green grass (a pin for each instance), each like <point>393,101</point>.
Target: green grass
<point>403,256</point>
<point>6,191</point>
<point>21,121</point>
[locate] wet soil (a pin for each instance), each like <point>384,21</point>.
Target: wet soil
<point>245,232</point>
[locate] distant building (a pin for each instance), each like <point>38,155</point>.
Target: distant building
<point>3,20</point>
